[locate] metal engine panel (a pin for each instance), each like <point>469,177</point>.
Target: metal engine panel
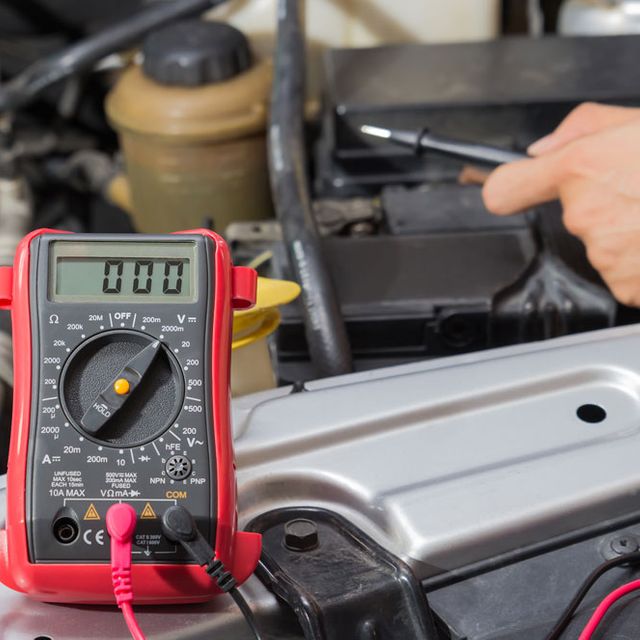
<point>455,461</point>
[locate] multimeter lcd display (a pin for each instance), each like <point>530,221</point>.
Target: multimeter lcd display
<point>122,271</point>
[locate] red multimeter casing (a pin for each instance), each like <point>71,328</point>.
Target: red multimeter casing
<point>90,582</point>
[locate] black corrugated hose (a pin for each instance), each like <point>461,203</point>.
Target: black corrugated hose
<point>81,56</point>
<point>324,326</point>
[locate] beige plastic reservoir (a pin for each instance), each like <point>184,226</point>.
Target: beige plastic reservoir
<point>193,137</point>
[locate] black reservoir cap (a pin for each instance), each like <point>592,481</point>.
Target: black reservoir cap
<point>192,53</point>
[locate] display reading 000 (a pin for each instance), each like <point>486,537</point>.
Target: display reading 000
<point>170,271</point>
<point>132,272</point>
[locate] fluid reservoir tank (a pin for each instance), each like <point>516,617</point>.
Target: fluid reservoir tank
<point>191,122</point>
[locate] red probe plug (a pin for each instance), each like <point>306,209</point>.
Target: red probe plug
<point>121,524</point>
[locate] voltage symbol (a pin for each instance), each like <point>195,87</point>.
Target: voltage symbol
<point>148,513</point>
<point>92,513</point>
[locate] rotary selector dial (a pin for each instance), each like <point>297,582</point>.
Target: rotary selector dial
<point>122,388</point>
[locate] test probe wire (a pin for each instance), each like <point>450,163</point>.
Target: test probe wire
<point>179,526</point>
<point>605,605</point>
<point>566,616</point>
<point>132,623</point>
<point>121,523</point>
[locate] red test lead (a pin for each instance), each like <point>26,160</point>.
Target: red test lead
<point>604,607</point>
<point>121,524</point>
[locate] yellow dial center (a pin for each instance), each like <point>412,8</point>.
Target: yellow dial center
<point>121,386</point>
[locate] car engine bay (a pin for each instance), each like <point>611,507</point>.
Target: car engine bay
<point>434,410</point>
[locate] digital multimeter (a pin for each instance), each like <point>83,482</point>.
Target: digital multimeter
<point>121,367</point>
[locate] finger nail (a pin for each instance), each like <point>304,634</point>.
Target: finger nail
<point>540,146</point>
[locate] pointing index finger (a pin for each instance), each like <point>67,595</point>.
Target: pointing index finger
<point>523,184</point>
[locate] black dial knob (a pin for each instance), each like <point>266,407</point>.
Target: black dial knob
<point>122,388</point>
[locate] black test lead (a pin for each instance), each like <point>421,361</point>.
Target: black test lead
<point>424,140</point>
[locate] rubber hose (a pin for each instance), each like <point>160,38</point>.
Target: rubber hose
<point>324,326</point>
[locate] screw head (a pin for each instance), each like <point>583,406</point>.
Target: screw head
<point>619,545</point>
<point>301,535</point>
<point>624,544</point>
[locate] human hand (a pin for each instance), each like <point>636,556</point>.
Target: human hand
<point>591,162</point>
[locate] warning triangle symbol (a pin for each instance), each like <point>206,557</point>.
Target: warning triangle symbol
<point>92,513</point>
<point>148,513</point>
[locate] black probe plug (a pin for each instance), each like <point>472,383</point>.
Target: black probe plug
<point>179,526</point>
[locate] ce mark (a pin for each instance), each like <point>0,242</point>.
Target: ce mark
<point>98,538</point>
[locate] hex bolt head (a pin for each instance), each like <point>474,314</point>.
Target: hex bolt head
<point>301,535</point>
